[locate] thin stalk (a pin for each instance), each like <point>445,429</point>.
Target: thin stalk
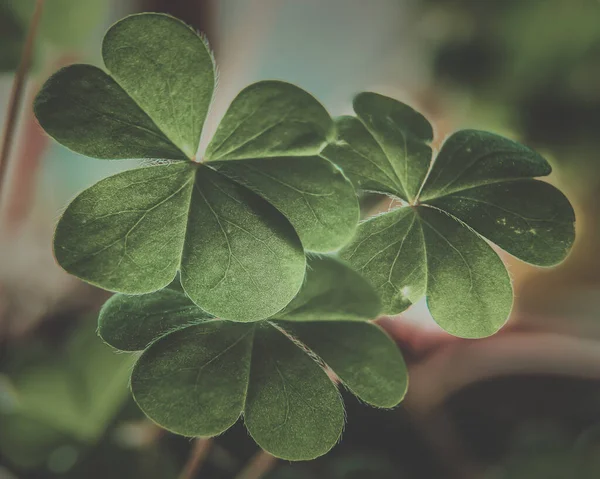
<point>199,453</point>
<point>260,464</point>
<point>16,96</point>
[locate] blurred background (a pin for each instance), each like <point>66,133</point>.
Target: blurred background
<point>522,404</point>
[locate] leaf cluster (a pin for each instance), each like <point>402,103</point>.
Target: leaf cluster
<point>210,253</point>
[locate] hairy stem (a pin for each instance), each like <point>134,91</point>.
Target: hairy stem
<point>199,452</point>
<point>260,464</point>
<point>16,96</point>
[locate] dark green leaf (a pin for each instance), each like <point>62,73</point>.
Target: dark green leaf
<point>332,291</point>
<point>131,323</point>
<point>84,109</point>
<point>480,183</point>
<point>483,180</point>
<point>468,288</point>
<point>194,380</point>
<point>239,257</point>
<point>472,158</point>
<point>404,136</point>
<point>410,252</point>
<point>311,192</point>
<point>153,104</point>
<point>362,355</point>
<point>389,251</point>
<point>167,69</point>
<point>242,259</point>
<point>270,119</point>
<point>362,159</point>
<point>126,232</point>
<point>293,410</point>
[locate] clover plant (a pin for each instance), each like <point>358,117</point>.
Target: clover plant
<point>229,264</point>
<point>480,186</point>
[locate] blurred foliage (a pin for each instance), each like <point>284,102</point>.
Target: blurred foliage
<point>64,25</point>
<point>535,63</point>
<point>59,393</point>
<point>544,453</point>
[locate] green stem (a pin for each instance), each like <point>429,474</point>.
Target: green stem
<point>260,464</point>
<point>16,96</point>
<point>199,453</point>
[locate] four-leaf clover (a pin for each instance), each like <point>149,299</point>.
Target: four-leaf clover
<point>480,186</point>
<point>198,374</point>
<point>235,225</point>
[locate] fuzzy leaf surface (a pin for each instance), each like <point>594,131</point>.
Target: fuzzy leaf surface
<point>85,109</point>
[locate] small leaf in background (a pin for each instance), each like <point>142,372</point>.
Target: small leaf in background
<point>235,230</point>
<point>479,184</point>
<point>62,398</point>
<point>66,26</point>
<point>199,375</point>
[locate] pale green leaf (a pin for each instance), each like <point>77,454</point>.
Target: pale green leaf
<point>84,109</point>
<point>239,257</point>
<point>403,134</point>
<point>242,259</point>
<point>310,191</point>
<point>270,119</point>
<point>362,355</point>
<point>293,410</point>
<point>389,251</point>
<point>167,69</point>
<point>131,323</point>
<point>332,291</point>
<point>193,381</point>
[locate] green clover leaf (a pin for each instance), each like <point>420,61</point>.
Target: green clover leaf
<point>198,374</point>
<point>480,186</point>
<point>236,225</point>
